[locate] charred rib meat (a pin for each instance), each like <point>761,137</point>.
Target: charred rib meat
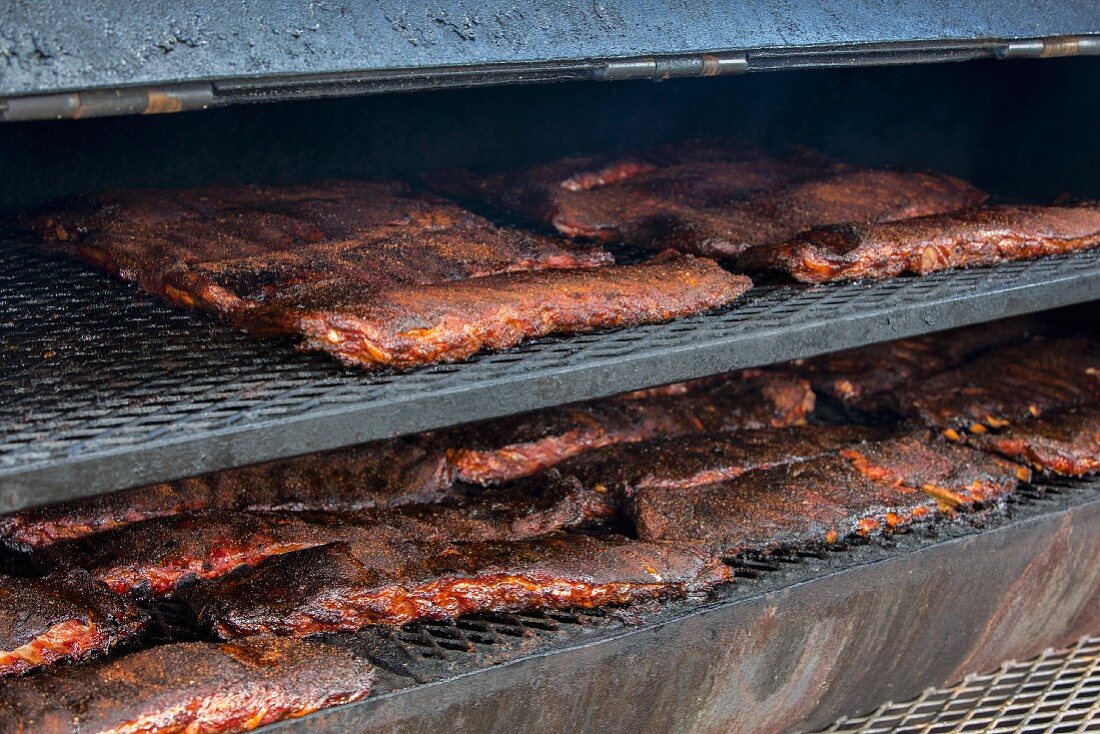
<point>922,245</point>
<point>954,475</point>
<point>617,472</point>
<point>510,448</point>
<point>384,473</point>
<point>811,502</point>
<point>372,272</point>
<point>1007,386</point>
<point>66,616</point>
<point>406,326</point>
<point>188,687</point>
<point>710,199</point>
<point>1063,441</point>
<point>349,586</point>
<point>856,376</point>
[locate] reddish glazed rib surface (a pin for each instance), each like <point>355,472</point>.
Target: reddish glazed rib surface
<point>65,616</point>
<point>348,586</point>
<point>969,238</point>
<point>187,687</point>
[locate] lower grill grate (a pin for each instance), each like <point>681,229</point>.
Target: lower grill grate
<point>104,388</point>
<point>433,651</point>
<point>1056,693</point>
<point>449,657</point>
<point>749,649</point>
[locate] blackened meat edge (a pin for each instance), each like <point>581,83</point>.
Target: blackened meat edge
<point>65,616</point>
<point>969,238</point>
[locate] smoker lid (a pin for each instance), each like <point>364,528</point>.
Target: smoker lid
<point>170,55</point>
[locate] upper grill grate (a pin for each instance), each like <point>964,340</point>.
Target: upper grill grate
<point>102,387</point>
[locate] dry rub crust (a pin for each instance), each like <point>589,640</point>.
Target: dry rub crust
<point>807,503</point>
<point>445,322</point>
<point>371,272</point>
<point>65,616</point>
<point>708,198</point>
<point>380,474</point>
<point>1006,387</point>
<point>349,586</point>
<point>1063,441</point>
<point>187,687</point>
<point>229,249</point>
<point>970,238</point>
<point>876,483</point>
<point>509,448</point>
<point>955,476</point>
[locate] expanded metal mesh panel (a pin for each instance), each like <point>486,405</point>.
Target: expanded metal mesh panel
<point>102,387</point>
<point>1056,693</point>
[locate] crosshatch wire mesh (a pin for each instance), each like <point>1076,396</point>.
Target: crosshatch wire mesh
<point>102,387</point>
<point>1056,693</point>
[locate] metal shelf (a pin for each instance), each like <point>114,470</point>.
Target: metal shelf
<point>102,388</point>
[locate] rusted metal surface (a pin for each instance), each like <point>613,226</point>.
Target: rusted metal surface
<point>1056,693</point>
<point>836,638</point>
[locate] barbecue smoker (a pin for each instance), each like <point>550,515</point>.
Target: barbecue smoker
<point>105,389</point>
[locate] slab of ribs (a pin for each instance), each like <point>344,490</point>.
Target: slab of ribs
<point>372,273</point>
<point>801,213</point>
<point>716,199</point>
<point>348,586</point>
<point>922,245</point>
<point>187,687</point>
<point>65,616</point>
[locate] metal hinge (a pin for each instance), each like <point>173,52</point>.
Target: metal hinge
<point>73,105</point>
<point>668,67</point>
<point>1047,48</point>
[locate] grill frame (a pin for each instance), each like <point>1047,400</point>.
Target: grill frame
<point>109,389</point>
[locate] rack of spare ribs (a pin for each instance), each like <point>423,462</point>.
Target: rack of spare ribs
<point>715,489</point>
